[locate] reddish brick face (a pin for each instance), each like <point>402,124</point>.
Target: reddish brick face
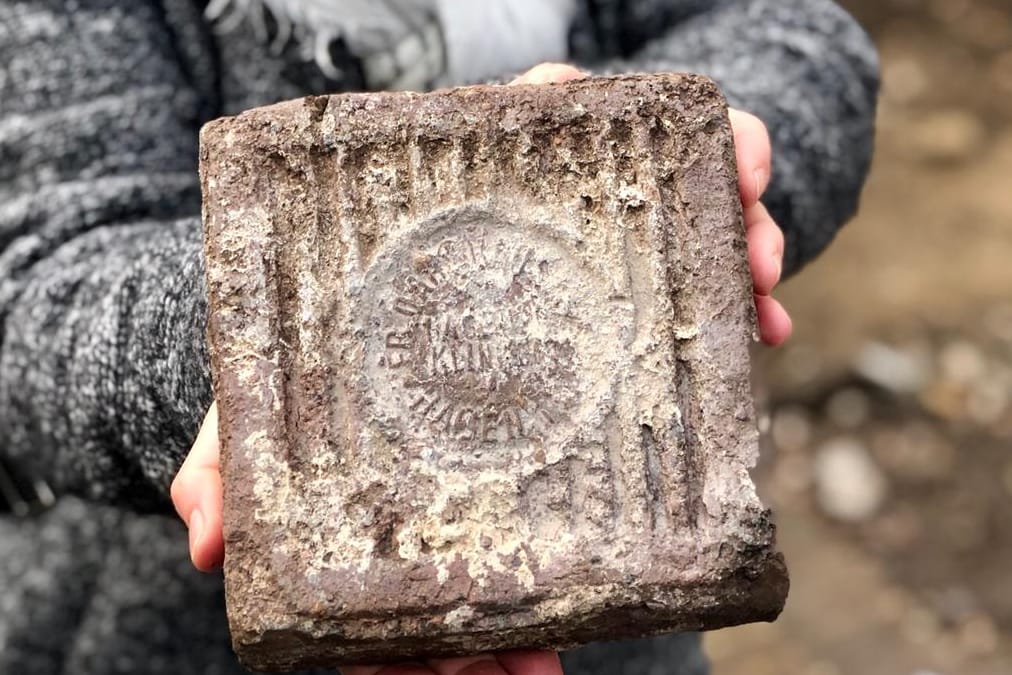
<point>481,360</point>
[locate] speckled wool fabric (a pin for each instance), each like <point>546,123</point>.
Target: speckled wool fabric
<point>103,365</point>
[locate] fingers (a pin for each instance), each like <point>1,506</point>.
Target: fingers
<point>548,73</point>
<point>484,664</point>
<point>765,238</point>
<point>399,669</point>
<point>766,258</point>
<point>530,663</point>
<point>752,148</point>
<point>197,495</point>
<point>504,663</point>
<point>775,324</point>
<point>765,248</point>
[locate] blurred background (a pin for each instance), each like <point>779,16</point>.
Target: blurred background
<point>888,457</point>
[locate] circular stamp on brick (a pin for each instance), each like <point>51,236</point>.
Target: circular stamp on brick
<point>482,335</point>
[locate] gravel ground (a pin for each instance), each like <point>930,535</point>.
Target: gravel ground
<point>888,452</point>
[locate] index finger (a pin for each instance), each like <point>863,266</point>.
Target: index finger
<point>754,155</point>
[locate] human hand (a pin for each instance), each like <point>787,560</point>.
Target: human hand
<point>764,236</point>
<point>765,239</point>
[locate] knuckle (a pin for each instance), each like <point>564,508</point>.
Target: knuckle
<point>549,71</point>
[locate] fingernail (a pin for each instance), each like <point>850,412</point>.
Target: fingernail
<point>196,525</point>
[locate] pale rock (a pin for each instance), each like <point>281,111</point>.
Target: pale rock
<point>849,485</point>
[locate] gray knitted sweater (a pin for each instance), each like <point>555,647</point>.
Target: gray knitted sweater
<point>103,366</point>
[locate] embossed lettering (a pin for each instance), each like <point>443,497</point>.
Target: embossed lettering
<point>400,340</point>
<point>465,424</point>
<point>395,360</point>
<point>407,307</point>
<point>425,402</point>
<point>471,369</point>
<point>509,420</point>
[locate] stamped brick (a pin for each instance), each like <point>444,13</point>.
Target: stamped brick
<point>481,361</point>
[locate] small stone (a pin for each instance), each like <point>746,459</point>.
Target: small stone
<point>915,451</point>
<point>849,485</point>
<point>979,635</point>
<point>442,320</point>
<point>962,362</point>
<point>901,371</point>
<point>946,399</point>
<point>792,429</point>
<point>947,136</point>
<point>904,80</point>
<point>988,400</point>
<point>848,408</point>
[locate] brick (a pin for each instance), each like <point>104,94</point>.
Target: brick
<point>481,360</point>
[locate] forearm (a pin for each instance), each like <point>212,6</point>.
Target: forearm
<point>808,71</point>
<point>103,377</point>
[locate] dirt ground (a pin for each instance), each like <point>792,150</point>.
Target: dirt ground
<point>888,456</point>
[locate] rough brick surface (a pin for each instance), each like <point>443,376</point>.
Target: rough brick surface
<point>481,359</point>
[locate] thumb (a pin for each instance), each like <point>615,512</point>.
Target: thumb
<point>548,73</point>
<point>197,495</point>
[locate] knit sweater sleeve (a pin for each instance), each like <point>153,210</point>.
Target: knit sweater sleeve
<point>103,375</point>
<point>804,67</point>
